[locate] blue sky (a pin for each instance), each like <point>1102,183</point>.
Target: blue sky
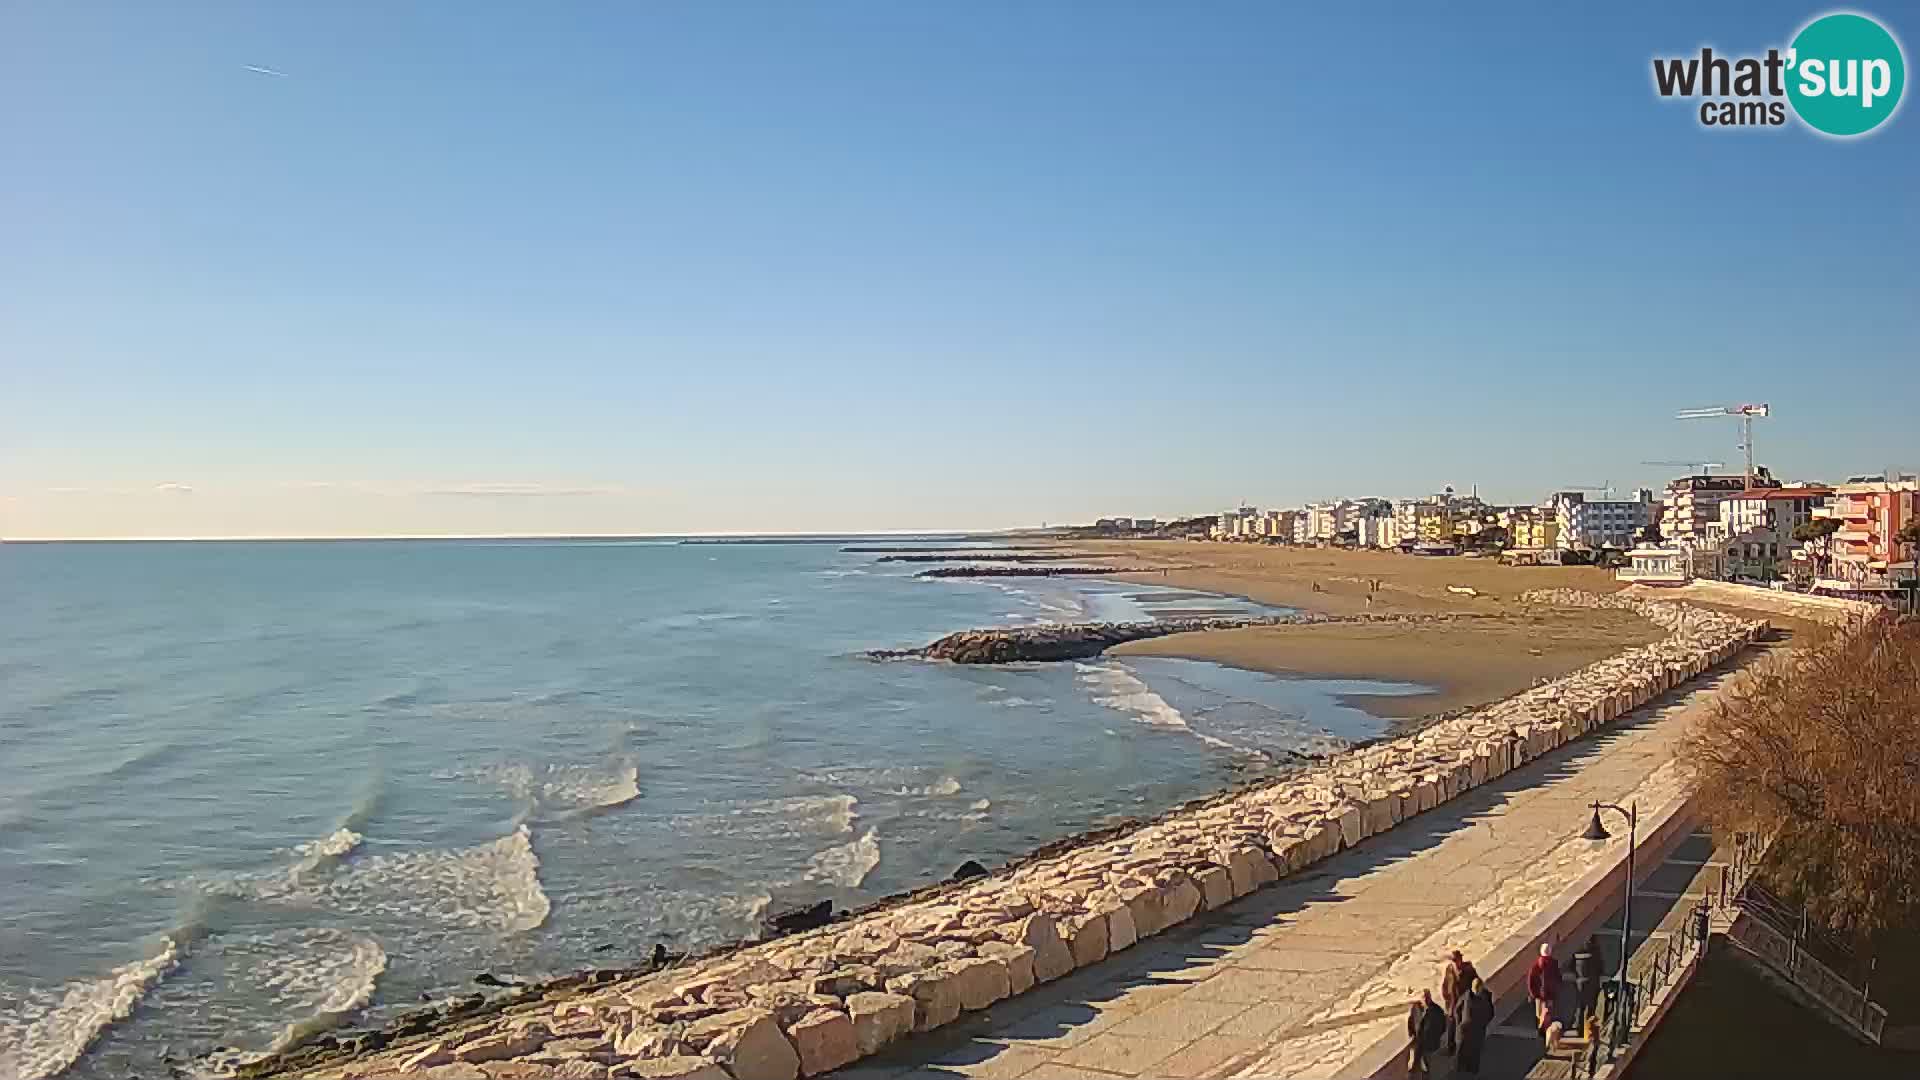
<point>667,267</point>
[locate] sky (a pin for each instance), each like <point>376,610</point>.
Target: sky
<point>458,269</point>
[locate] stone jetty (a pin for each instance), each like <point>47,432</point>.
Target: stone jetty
<point>1029,570</point>
<point>983,556</point>
<point>1077,641</point>
<point>811,1002</point>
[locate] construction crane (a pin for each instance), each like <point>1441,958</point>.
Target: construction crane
<point>1606,488</point>
<point>1746,413</point>
<point>1704,466</point>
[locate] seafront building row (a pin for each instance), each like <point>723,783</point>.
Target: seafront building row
<point>1721,527</point>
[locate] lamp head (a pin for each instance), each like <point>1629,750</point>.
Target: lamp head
<point>1595,830</point>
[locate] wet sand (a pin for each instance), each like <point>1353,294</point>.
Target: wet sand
<point>1470,662</point>
<point>1466,663</point>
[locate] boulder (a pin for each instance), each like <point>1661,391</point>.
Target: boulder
<point>936,998</point>
<point>1019,959</point>
<point>824,1040</point>
<point>879,1018</point>
<point>1051,957</point>
<point>979,981</point>
<point>1179,899</point>
<point>968,870</point>
<point>749,1044</point>
<point>1216,890</point>
<point>794,920</point>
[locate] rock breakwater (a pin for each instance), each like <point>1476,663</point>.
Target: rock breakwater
<point>815,1001</point>
<point>1077,641</point>
<point>1029,570</point>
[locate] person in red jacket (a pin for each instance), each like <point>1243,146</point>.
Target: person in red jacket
<point>1543,986</point>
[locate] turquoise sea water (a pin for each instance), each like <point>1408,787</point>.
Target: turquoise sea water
<point>247,790</point>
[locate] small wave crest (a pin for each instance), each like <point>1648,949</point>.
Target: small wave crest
<point>320,976</point>
<point>1117,688</point>
<point>44,1034</point>
<point>565,790</point>
<point>848,864</point>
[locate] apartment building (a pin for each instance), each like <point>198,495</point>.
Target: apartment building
<point>1584,524</point>
<point>1864,553</point>
<point>1693,502</point>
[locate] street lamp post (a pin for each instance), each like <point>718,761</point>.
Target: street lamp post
<point>1597,831</point>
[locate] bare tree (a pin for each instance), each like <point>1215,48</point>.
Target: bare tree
<point>1822,751</point>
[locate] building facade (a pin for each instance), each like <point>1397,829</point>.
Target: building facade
<point>1865,554</point>
<point>1583,524</point>
<point>1693,502</point>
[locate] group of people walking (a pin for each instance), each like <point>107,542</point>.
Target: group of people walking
<point>1457,1024</point>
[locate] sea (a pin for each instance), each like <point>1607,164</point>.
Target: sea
<point>250,791</point>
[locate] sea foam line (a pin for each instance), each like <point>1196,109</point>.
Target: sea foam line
<point>39,1043</point>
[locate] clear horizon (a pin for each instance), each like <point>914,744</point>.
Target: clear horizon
<point>443,272</point>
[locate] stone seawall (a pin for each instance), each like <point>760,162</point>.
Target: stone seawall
<point>1030,570</point>
<point>813,1002</point>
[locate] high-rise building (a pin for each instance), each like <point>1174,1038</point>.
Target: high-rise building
<point>1694,501</point>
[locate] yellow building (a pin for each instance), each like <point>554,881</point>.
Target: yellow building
<point>1535,529</point>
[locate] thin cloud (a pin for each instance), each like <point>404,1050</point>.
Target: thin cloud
<point>174,489</point>
<point>258,70</point>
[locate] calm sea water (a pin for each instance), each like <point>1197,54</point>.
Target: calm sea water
<point>249,790</point>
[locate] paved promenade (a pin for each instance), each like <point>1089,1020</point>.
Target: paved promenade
<point>1305,978</point>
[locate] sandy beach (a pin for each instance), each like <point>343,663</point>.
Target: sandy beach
<point>1509,649</point>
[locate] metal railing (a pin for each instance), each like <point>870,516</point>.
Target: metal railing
<point>1617,1020</point>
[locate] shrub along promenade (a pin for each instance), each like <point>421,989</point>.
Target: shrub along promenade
<point>814,1002</point>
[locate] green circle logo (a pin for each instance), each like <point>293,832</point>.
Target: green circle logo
<point>1845,74</point>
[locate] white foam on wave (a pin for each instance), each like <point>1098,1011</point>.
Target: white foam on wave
<point>829,813</point>
<point>944,786</point>
<point>491,886</point>
<point>568,790</point>
<point>1121,690</point>
<point>47,1032</point>
<point>320,976</point>
<point>848,864</point>
<point>315,855</point>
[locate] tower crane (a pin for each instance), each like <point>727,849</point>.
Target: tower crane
<point>1704,466</point>
<point>1746,413</point>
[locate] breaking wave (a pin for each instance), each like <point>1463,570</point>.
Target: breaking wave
<point>48,1031</point>
<point>1122,691</point>
<point>565,790</point>
<point>848,864</point>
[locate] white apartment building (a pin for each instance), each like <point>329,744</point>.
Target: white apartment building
<point>1693,502</point>
<point>1375,530</point>
<point>1783,509</point>
<point>1590,524</point>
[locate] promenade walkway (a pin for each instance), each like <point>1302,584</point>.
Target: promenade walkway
<point>1312,976</point>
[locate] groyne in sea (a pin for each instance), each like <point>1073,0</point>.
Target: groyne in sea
<point>1077,641</point>
<point>812,1002</point>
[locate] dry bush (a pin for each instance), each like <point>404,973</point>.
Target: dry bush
<point>1823,750</point>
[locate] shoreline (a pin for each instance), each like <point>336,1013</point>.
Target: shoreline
<point>1278,825</point>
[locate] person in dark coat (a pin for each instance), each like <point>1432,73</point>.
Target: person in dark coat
<point>1476,1015</point>
<point>1543,986</point>
<point>1587,977</point>
<point>1454,984</point>
<point>1426,1026</point>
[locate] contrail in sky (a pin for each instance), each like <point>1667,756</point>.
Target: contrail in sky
<point>265,71</point>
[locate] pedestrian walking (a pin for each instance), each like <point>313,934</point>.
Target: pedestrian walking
<point>1587,978</point>
<point>1455,983</point>
<point>1426,1026</point>
<point>1543,986</point>
<point>1476,1015</point>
